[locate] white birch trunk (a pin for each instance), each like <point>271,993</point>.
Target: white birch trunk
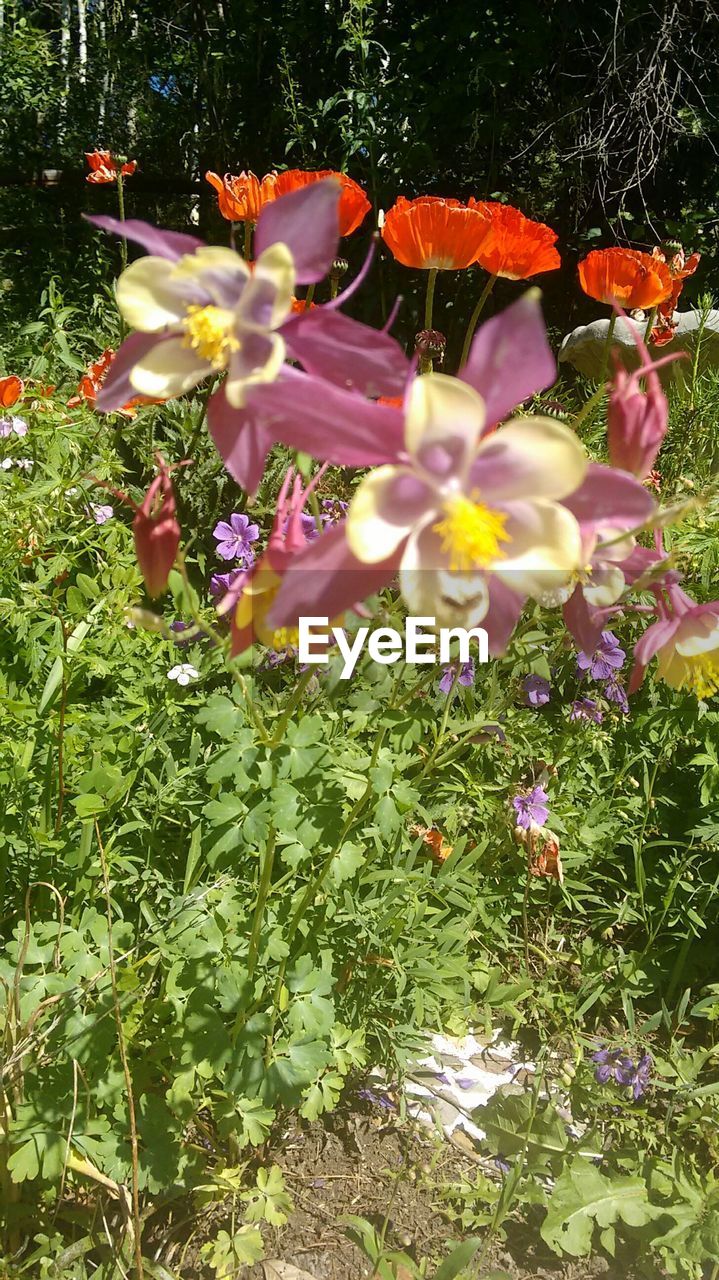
<point>82,40</point>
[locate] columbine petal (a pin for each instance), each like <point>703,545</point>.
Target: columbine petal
<point>431,589</point>
<point>149,295</point>
<point>326,579</point>
<point>348,353</point>
<point>443,422</point>
<point>267,300</point>
<point>510,358</point>
<point>168,368</point>
<point>609,497</point>
<point>307,221</point>
<point>387,505</point>
<point>258,361</point>
<point>163,244</point>
<point>529,455</point>
<point>242,438</point>
<point>117,388</point>
<point>544,547</point>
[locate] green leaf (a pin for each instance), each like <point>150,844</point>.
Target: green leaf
<point>458,1259</point>
<point>582,1196</point>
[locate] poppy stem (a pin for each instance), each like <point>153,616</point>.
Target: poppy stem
<point>429,299</point>
<point>607,345</point>
<point>308,298</point>
<point>650,325</point>
<point>123,241</point>
<point>475,317</point>
<point>247,248</point>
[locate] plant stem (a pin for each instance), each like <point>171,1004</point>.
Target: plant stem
<point>137,1222</point>
<point>247,246</point>
<point>588,408</point>
<point>262,895</point>
<point>474,318</point>
<point>123,241</point>
<point>308,297</point>
<point>429,298</point>
<point>201,420</point>
<point>295,698</point>
<point>650,325</point>
<point>607,345</point>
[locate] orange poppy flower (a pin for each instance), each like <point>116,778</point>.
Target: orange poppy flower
<point>432,233</point>
<point>242,197</point>
<point>92,380</point>
<point>11,388</point>
<point>625,276</point>
<point>354,205</point>
<point>680,268</point>
<point>105,168</point>
<point>516,247</point>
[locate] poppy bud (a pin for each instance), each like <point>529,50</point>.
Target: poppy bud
<point>157,532</point>
<point>670,248</point>
<point>431,344</point>
<point>339,268</point>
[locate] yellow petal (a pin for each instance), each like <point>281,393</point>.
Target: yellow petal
<point>444,411</point>
<point>381,515</point>
<point>169,369</point>
<point>146,296</point>
<point>238,383</point>
<point>544,550</point>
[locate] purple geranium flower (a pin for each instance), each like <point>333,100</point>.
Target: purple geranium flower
<point>221,582</point>
<point>333,510</point>
<point>465,678</point>
<point>100,512</point>
<point>536,690</point>
<point>12,425</point>
<point>234,539</point>
<point>615,692</point>
<point>586,709</point>
<point>638,1077</point>
<point>608,657</point>
<point>612,1064</point>
<point>531,808</point>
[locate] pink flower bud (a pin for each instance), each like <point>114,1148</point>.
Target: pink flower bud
<point>157,532</point>
<point>637,420</point>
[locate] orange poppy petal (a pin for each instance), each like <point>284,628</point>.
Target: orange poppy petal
<point>625,276</point>
<point>354,205</point>
<point>11,388</point>
<point>517,247</point>
<point>433,233</point>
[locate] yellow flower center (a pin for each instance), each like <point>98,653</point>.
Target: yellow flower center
<point>208,330</point>
<point>701,675</point>
<point>471,534</point>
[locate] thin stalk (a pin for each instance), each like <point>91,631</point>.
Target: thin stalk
<point>650,325</point>
<point>588,408</point>
<point>123,241</point>
<point>429,298</point>
<point>296,697</point>
<point>201,420</point>
<point>262,894</point>
<point>443,724</point>
<point>474,319</point>
<point>247,246</point>
<point>137,1221</point>
<point>525,907</point>
<point>308,297</point>
<point>607,345</point>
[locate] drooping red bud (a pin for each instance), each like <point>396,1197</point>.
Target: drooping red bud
<point>157,533</point>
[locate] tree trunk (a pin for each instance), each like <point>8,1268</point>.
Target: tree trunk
<point>82,40</point>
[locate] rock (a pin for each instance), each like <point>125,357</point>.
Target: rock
<point>583,348</point>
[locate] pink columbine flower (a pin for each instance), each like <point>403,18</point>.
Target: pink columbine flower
<point>685,639</point>
<point>637,420</point>
<point>201,310</point>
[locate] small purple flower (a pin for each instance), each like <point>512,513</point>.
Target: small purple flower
<point>234,539</point>
<point>531,808</point>
<point>586,709</point>
<point>536,690</point>
<point>465,678</point>
<point>12,425</point>
<point>607,658</point>
<point>333,510</point>
<point>177,627</point>
<point>614,690</point>
<point>221,582</point>
<point>100,512</point>
<point>612,1064</point>
<point>638,1077</point>
<point>377,1099</point>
